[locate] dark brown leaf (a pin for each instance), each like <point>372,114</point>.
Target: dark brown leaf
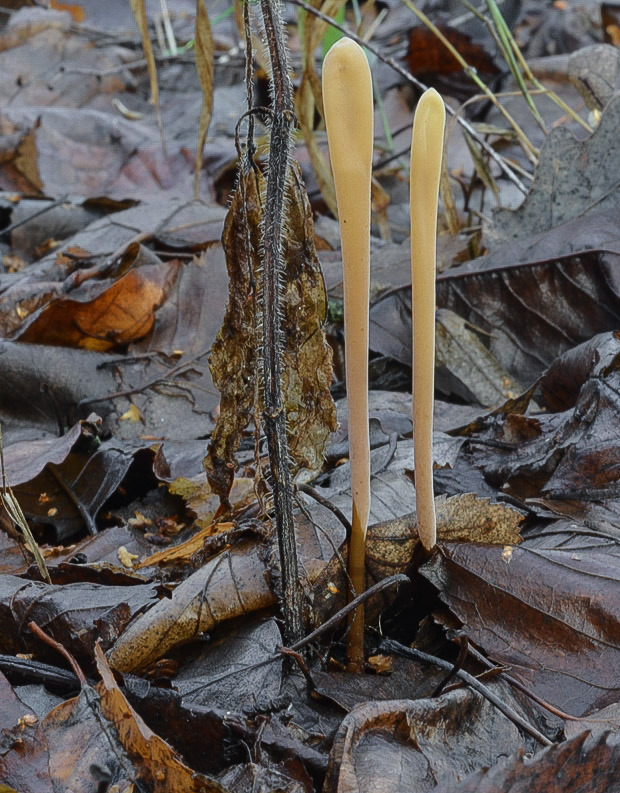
<point>400,745</point>
<point>568,462</point>
<point>552,616</point>
<point>155,763</point>
<point>428,55</point>
<point>24,758</point>
<point>583,764</point>
<point>73,614</point>
<point>533,299</point>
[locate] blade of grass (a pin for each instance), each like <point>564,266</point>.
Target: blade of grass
<point>529,149</point>
<point>139,10</point>
<point>408,77</point>
<point>11,504</point>
<point>204,67</point>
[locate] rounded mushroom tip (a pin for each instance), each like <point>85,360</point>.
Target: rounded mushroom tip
<point>342,44</point>
<point>431,98</point>
<point>345,53</point>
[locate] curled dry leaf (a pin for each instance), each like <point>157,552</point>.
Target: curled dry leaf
<point>155,763</point>
<point>306,360</point>
<point>403,745</point>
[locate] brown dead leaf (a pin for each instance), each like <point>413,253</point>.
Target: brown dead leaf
<point>182,554</point>
<point>468,518</point>
<point>156,764</point>
<point>232,584</point>
<point>73,614</point>
<point>78,739</point>
<point>306,360</point>
<point>390,544</point>
<point>24,760</point>
<point>203,503</point>
<point>585,764</point>
<point>120,314</point>
<point>402,745</point>
<point>551,615</point>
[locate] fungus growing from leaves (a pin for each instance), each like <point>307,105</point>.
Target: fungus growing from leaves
<point>426,152</point>
<point>348,105</point>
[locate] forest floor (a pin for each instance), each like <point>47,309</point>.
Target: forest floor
<point>140,628</point>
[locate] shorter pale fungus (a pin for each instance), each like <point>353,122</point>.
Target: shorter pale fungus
<point>426,153</point>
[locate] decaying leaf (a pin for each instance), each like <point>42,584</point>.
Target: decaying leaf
<point>117,314</point>
<point>403,745</point>
<point>573,179</point>
<point>73,614</point>
<point>552,615</point>
<point>155,763</point>
<point>468,518</point>
<point>391,543</point>
<point>585,764</point>
<point>460,354</point>
<point>22,737</point>
<point>230,585</point>
<point>306,360</point>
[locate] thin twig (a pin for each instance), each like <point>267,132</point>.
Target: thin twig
<point>396,648</point>
<point>40,634</point>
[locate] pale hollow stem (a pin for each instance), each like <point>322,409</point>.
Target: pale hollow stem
<point>348,104</point>
<point>426,152</point>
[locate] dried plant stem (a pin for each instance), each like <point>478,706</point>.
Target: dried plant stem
<point>274,411</point>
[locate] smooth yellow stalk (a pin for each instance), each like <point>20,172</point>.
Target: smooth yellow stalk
<point>348,105</point>
<point>426,151</point>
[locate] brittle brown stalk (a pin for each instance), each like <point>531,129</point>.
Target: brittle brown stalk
<point>274,411</point>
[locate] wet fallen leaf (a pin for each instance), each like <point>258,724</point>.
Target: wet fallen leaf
<point>232,584</point>
<point>589,765</point>
<point>551,615</point>
<point>73,614</point>
<point>22,738</point>
<point>155,763</point>
<point>389,747</point>
<point>122,312</point>
<point>573,179</point>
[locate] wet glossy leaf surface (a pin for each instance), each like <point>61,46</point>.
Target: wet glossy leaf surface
<point>563,604</point>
